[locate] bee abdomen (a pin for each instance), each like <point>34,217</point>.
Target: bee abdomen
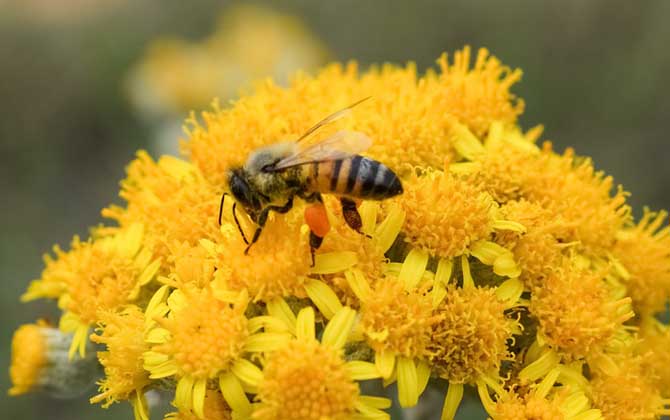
<point>357,177</point>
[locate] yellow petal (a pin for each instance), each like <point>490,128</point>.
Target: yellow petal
<point>247,372</point>
<point>305,324</point>
<point>337,331</point>
<point>234,394</point>
<point>323,297</point>
<point>264,342</point>
<point>408,382</point>
<point>362,371</point>
<point>183,397</point>
<point>413,268</point>
<point>279,309</point>
<point>358,283</point>
<point>510,291</point>
<point>199,390</point>
<point>334,262</point>
<point>451,401</point>
<point>388,229</point>
<point>540,367</point>
<point>385,362</point>
<point>468,281</point>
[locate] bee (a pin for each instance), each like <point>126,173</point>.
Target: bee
<point>274,175</point>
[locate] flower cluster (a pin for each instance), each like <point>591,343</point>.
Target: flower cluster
<point>504,267</point>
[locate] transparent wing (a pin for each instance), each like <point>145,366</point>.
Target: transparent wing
<point>331,118</point>
<point>340,145</point>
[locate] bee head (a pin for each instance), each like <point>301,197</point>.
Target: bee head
<point>241,190</point>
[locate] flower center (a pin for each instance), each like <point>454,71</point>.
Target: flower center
<point>306,381</point>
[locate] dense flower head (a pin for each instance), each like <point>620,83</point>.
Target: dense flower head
<point>122,333</point>
<point>472,336</point>
<point>644,249</point>
<point>503,265</point>
<point>397,320</point>
<point>306,368</point>
<point>576,312</point>
<point>444,214</point>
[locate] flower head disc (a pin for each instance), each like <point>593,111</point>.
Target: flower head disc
<point>275,266</point>
<point>645,252</point>
<point>575,311</point>
<point>397,321</point>
<point>28,358</point>
<point>123,334</point>
<point>444,214</point>
<point>306,381</point>
<point>471,337</point>
<point>201,335</point>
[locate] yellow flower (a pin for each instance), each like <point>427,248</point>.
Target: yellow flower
<point>576,312</point>
<point>444,214</point>
<point>203,338</point>
<point>479,95</point>
<point>40,363</point>
<point>471,339</point>
<point>624,390</point>
<point>98,275</point>
<point>654,343</point>
<point>309,379</point>
<point>542,401</point>
<point>215,408</point>
<point>29,358</point>
<point>644,250</point>
<point>171,199</point>
<point>538,251</point>
<point>123,334</point>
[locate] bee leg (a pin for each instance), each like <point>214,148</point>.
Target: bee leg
<point>263,217</point>
<point>315,242</point>
<point>351,215</point>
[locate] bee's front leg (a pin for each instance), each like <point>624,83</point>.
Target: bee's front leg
<point>263,217</point>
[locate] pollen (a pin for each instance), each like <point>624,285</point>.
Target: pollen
<point>123,334</point>
<point>445,214</point>
<point>397,320</point>
<point>171,198</point>
<point>29,358</point>
<point>275,266</point>
<point>655,342</point>
<point>306,380</point>
<point>205,336</point>
<point>576,312</point>
<point>471,338</point>
<point>644,250</point>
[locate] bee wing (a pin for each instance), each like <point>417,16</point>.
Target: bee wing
<point>331,118</point>
<point>340,145</point>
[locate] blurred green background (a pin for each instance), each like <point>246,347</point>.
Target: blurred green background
<point>596,74</point>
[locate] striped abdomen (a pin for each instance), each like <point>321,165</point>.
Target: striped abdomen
<point>356,176</point>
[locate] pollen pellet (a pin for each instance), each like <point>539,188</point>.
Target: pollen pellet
<point>317,219</point>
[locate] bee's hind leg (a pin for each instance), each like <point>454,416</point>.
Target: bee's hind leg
<point>351,215</point>
<point>263,217</point>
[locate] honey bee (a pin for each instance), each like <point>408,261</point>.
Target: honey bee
<point>274,175</point>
